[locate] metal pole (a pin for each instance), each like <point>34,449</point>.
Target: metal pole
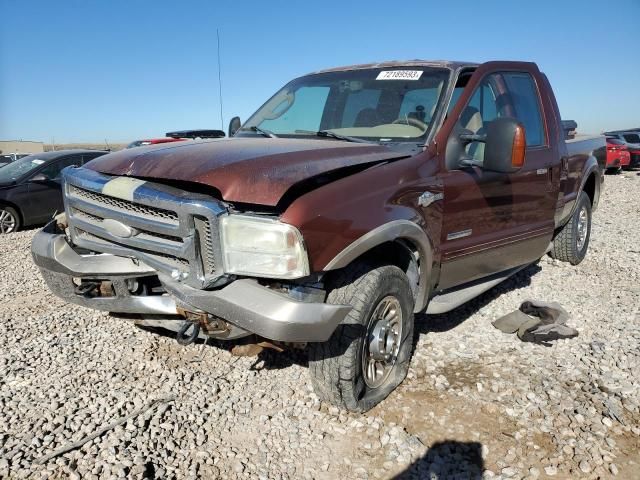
<point>220,81</point>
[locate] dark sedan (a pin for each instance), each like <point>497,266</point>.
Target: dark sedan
<point>30,188</point>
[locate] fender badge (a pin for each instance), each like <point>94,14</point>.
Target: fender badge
<point>118,229</point>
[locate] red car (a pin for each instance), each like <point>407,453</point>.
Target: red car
<point>179,136</point>
<point>154,141</point>
<point>618,155</point>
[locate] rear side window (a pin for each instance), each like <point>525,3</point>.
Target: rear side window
<point>525,100</point>
<point>88,157</point>
<point>632,137</point>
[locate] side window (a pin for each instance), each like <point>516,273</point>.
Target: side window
<point>53,171</point>
<point>508,94</point>
<point>526,103</point>
<point>483,107</point>
<point>632,137</point>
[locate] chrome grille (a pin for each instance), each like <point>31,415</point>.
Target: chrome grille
<point>166,229</point>
<point>176,261</point>
<point>78,213</point>
<point>124,205</point>
<point>203,226</point>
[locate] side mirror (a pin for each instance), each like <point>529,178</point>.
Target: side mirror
<point>234,126</point>
<point>41,177</point>
<point>505,146</point>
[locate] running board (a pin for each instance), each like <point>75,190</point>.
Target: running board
<point>453,298</point>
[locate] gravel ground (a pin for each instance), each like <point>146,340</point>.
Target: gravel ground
<point>477,403</point>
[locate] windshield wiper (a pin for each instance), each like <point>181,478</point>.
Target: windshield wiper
<point>261,131</point>
<point>337,136</point>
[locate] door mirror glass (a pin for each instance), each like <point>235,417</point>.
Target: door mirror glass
<point>234,126</point>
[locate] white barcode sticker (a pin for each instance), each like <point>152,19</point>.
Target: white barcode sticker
<point>399,75</point>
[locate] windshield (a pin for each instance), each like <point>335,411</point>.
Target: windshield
<point>380,105</point>
<point>20,167</point>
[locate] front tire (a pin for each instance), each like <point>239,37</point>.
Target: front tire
<point>368,355</point>
<point>571,244</point>
<point>9,220</point>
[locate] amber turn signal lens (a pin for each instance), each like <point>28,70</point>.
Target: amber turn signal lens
<point>519,145</point>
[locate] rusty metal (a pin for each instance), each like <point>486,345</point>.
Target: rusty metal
<point>255,348</point>
<point>106,289</point>
<point>195,317</point>
<point>209,324</point>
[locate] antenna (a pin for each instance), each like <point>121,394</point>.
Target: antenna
<point>220,81</point>
<point>107,144</point>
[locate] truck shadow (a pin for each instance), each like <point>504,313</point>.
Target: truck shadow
<point>446,321</point>
<point>447,459</point>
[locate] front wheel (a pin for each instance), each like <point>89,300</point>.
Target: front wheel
<point>368,355</point>
<point>9,220</point>
<point>571,244</point>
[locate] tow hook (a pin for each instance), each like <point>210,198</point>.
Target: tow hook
<point>85,288</point>
<point>184,338</point>
<point>190,329</point>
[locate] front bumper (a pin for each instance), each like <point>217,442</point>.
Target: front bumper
<point>243,303</point>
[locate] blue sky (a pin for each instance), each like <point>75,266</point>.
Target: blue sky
<point>86,70</point>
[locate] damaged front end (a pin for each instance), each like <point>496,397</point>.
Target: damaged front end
<point>153,253</point>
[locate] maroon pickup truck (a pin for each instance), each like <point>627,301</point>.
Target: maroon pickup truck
<point>352,199</point>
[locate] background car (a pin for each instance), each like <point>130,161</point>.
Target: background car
<point>179,136</point>
<point>153,141</point>
<point>617,155</point>
<point>632,140</point>
<point>30,187</point>
<point>7,158</point>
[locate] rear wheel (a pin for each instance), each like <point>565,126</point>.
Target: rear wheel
<point>571,244</point>
<point>9,220</point>
<point>368,355</point>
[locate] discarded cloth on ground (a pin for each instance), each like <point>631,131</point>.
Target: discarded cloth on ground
<point>537,321</point>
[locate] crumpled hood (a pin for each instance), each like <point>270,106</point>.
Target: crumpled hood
<point>248,170</point>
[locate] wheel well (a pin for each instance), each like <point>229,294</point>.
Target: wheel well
<point>590,187</point>
<point>401,253</point>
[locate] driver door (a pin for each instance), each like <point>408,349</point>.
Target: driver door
<point>497,221</point>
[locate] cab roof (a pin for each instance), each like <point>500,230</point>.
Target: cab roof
<point>402,63</point>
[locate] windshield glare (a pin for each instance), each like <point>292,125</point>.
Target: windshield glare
<point>20,167</point>
<point>394,104</point>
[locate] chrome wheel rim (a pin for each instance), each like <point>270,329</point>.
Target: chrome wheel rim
<point>382,343</point>
<point>583,227</point>
<point>7,222</point>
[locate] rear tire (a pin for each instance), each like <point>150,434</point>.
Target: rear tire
<point>571,244</point>
<point>368,355</point>
<point>9,220</point>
